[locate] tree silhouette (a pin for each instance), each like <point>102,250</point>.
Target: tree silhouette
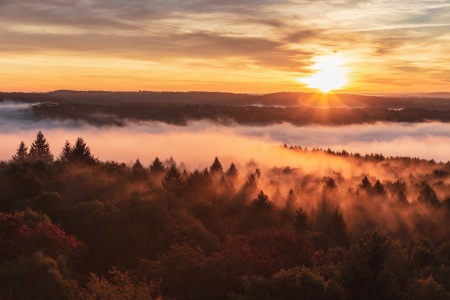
<point>138,171</point>
<point>173,181</point>
<point>330,184</point>
<point>291,200</point>
<point>337,228</point>
<point>40,150</point>
<point>156,167</point>
<point>378,188</point>
<point>365,184</point>
<point>232,171</point>
<point>66,153</point>
<point>216,167</point>
<point>21,155</point>
<point>301,221</point>
<point>262,203</point>
<point>82,153</point>
<point>428,195</point>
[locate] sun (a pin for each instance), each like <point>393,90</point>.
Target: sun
<point>331,74</point>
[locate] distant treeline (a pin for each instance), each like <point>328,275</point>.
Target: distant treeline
<point>75,227</point>
<point>181,114</point>
<point>371,156</point>
<point>116,108</point>
<point>217,98</point>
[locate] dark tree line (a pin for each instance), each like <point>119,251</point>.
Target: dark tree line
<point>40,152</point>
<point>76,227</point>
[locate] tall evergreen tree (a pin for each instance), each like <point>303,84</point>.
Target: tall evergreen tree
<point>291,201</point>
<point>232,171</point>
<point>40,150</point>
<point>156,167</point>
<point>262,203</point>
<point>21,155</point>
<point>66,153</point>
<point>138,171</point>
<point>82,153</point>
<point>173,180</point>
<point>216,167</point>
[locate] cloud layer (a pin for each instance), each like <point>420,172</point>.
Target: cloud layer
<point>248,46</point>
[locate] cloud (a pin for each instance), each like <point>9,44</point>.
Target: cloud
<point>264,35</point>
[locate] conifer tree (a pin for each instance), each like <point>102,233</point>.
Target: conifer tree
<point>156,167</point>
<point>262,203</point>
<point>173,180</point>
<point>291,201</point>
<point>216,167</point>
<point>40,150</point>
<point>232,171</point>
<point>66,153</point>
<point>138,171</point>
<point>21,155</point>
<point>82,153</point>
<point>301,223</point>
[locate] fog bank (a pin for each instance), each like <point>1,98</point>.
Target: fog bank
<point>199,142</point>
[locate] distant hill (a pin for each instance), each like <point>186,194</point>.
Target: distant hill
<point>436,101</point>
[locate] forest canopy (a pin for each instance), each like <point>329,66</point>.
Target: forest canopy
<point>73,226</point>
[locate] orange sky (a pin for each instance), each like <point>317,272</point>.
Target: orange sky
<point>253,46</point>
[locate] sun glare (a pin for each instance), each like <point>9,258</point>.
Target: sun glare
<point>331,74</point>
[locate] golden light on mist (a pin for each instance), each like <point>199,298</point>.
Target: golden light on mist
<point>331,74</point>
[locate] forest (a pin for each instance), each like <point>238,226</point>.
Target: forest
<point>118,108</point>
<point>75,227</point>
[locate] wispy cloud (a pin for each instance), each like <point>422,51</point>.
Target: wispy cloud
<point>265,35</point>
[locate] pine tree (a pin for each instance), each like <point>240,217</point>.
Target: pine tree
<point>138,171</point>
<point>156,167</point>
<point>262,203</point>
<point>291,201</point>
<point>82,153</point>
<point>365,184</point>
<point>173,180</point>
<point>66,153</point>
<point>21,155</point>
<point>301,223</point>
<point>216,167</point>
<point>40,150</point>
<point>379,188</point>
<point>232,171</point>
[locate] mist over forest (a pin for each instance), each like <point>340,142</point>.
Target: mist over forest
<point>97,206</point>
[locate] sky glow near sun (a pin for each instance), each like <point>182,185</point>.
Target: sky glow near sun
<point>331,74</point>
<point>243,46</point>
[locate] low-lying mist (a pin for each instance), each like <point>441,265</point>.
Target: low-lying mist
<point>198,142</point>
